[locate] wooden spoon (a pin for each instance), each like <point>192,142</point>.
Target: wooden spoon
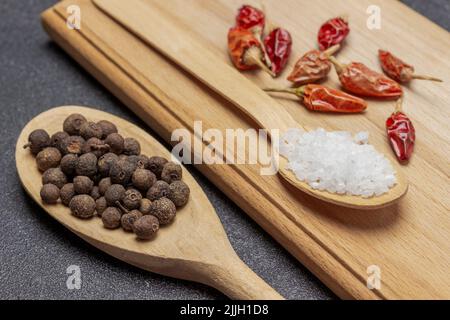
<point>176,42</point>
<point>194,247</point>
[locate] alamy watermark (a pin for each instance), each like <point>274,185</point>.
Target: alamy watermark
<point>74,279</point>
<point>373,277</point>
<point>73,21</point>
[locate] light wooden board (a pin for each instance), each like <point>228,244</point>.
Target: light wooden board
<point>409,242</point>
<point>193,247</point>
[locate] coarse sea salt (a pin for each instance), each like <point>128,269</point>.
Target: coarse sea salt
<point>337,162</point>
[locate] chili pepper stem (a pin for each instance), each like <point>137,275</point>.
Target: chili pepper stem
<point>344,17</point>
<point>421,77</point>
<point>26,145</point>
<point>299,92</point>
<point>337,65</point>
<point>332,50</point>
<point>399,105</point>
<point>253,57</point>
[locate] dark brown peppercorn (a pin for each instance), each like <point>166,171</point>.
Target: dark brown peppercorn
<point>56,140</point>
<point>131,147</point>
<point>171,172</point>
<point>115,142</point>
<point>145,206</point>
<point>143,179</point>
<point>82,206</point>
<point>54,176</point>
<point>100,206</point>
<point>121,172</point>
<point>73,123</point>
<point>132,199</point>
<point>123,157</point>
<point>115,193</point>
<point>105,162</point>
<point>96,146</point>
<point>37,141</point>
<point>49,193</point>
<point>129,219</point>
<point>87,165</point>
<point>107,128</point>
<point>91,130</point>
<point>179,193</point>
<point>158,190</point>
<point>72,144</point>
<point>48,158</point>
<point>83,185</point>
<point>111,218</point>
<point>95,194</point>
<point>103,185</point>
<point>156,165</point>
<point>69,164</point>
<point>142,161</point>
<point>164,210</point>
<point>146,227</point>
<point>67,193</point>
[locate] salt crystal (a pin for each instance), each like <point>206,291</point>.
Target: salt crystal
<point>337,162</point>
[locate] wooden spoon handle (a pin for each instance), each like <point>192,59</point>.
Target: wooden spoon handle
<point>239,282</point>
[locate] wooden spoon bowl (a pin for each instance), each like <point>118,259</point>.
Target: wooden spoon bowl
<point>194,247</point>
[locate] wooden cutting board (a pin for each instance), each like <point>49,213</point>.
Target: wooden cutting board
<point>409,242</point>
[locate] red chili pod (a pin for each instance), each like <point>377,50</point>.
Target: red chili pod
<point>320,98</point>
<point>333,32</point>
<point>249,17</point>
<point>278,45</point>
<point>313,66</point>
<point>398,70</point>
<point>401,134</point>
<point>357,78</point>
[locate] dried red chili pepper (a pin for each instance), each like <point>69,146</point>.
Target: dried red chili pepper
<point>320,98</point>
<point>399,70</point>
<point>249,17</point>
<point>357,78</point>
<point>245,50</point>
<point>278,45</point>
<point>312,66</point>
<point>401,133</point>
<point>333,32</point>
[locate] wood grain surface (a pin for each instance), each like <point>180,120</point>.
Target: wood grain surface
<point>409,241</point>
<point>193,247</point>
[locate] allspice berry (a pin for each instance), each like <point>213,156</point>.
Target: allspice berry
<point>129,219</point>
<point>145,206</point>
<point>132,199</point>
<point>67,192</point>
<point>115,142</point>
<point>131,147</point>
<point>82,206</point>
<point>105,162</point>
<point>171,172</point>
<point>111,218</point>
<point>91,130</point>
<point>100,206</point>
<point>164,210</point>
<point>103,185</point>
<point>69,164</point>
<point>54,176</point>
<point>114,194</point>
<point>179,193</point>
<point>96,146</point>
<point>121,172</point>
<point>107,128</point>
<point>159,190</point>
<point>48,158</point>
<point>56,140</point>
<point>156,165</point>
<point>73,123</point>
<point>50,193</point>
<point>142,161</point>
<point>72,144</point>
<point>143,179</point>
<point>146,227</point>
<point>87,165</point>
<point>37,141</point>
<point>83,185</point>
<point>95,193</point>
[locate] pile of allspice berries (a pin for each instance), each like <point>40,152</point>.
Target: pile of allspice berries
<point>95,171</point>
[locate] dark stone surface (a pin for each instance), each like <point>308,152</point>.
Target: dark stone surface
<point>35,250</point>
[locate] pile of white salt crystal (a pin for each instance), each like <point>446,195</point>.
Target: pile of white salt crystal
<point>337,162</point>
